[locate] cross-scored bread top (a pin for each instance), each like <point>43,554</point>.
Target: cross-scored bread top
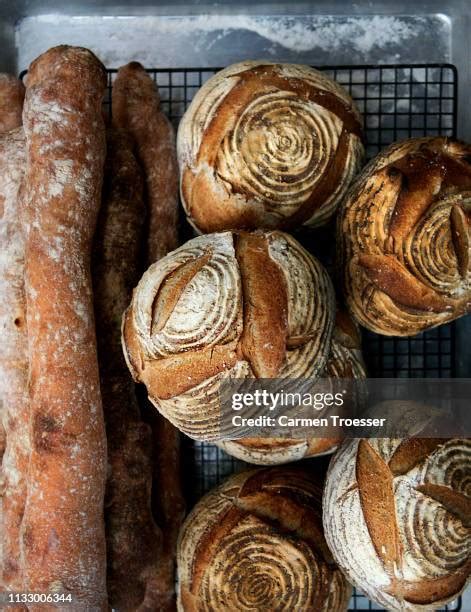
<point>231,304</point>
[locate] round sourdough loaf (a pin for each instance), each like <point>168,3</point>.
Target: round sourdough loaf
<point>227,305</point>
<point>256,543</point>
<point>404,237</point>
<point>397,518</point>
<point>345,361</point>
<point>266,145</point>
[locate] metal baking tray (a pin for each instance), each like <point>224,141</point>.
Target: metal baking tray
<point>393,55</point>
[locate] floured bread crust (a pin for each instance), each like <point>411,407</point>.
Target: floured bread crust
<point>14,403</point>
<point>345,361</point>
<point>256,543</point>
<point>404,237</point>
<point>266,145</point>
<point>226,305</point>
<point>63,534</point>
<point>12,93</point>
<point>397,519</point>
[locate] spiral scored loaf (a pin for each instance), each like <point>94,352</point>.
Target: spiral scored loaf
<point>397,518</point>
<point>345,361</point>
<point>227,305</point>
<point>404,237</point>
<point>256,543</point>
<point>266,145</point>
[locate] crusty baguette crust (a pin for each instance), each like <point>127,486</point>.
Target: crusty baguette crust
<point>63,528</point>
<point>136,107</point>
<point>133,539</point>
<point>12,93</point>
<point>13,358</point>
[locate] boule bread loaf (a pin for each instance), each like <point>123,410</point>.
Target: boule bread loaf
<point>404,237</point>
<point>397,518</point>
<point>266,145</point>
<point>345,361</point>
<point>256,543</point>
<point>222,306</point>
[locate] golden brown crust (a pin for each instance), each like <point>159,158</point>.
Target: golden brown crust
<point>404,236</point>
<point>256,541</point>
<point>133,539</point>
<point>397,519</point>
<point>267,145</point>
<point>13,360</point>
<point>265,306</point>
<point>12,93</point>
<point>63,527</point>
<point>136,107</point>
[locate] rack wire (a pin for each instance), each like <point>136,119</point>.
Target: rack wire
<point>396,101</point>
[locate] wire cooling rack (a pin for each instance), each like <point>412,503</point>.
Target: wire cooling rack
<point>396,101</point>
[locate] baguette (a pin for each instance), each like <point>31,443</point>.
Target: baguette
<point>63,528</point>
<point>12,93</point>
<point>13,358</point>
<point>11,107</point>
<point>136,106</point>
<point>133,539</point>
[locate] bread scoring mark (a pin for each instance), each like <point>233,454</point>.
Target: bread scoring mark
<point>376,490</point>
<point>411,452</point>
<point>393,279</point>
<point>409,204</point>
<point>453,501</point>
<point>259,140</point>
<point>265,306</point>
<point>460,239</point>
<point>171,289</point>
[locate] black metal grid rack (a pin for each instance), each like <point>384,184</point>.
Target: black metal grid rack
<point>397,101</point>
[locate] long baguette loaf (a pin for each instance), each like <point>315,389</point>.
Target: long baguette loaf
<point>136,106</point>
<point>13,357</point>
<point>11,108</point>
<point>133,539</point>
<point>63,527</point>
<point>12,93</point>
